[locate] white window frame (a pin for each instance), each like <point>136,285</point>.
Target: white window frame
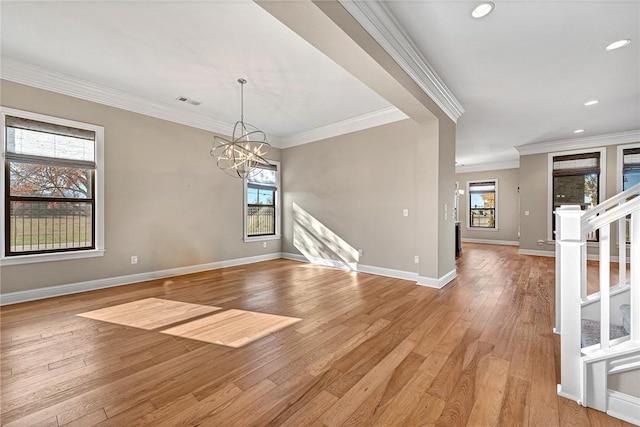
<point>495,211</point>
<point>602,186</point>
<point>275,236</point>
<point>99,191</point>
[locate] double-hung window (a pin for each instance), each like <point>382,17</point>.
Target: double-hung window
<point>577,180</point>
<point>262,208</point>
<point>50,196</point>
<point>482,202</point>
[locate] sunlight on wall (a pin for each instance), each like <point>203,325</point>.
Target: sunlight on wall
<point>319,244</point>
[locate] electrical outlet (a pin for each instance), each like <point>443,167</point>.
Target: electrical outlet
<point>405,212</point>
<point>416,259</point>
<point>264,244</point>
<point>360,252</point>
<point>134,259</point>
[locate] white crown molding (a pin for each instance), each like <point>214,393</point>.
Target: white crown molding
<point>54,81</point>
<point>579,143</point>
<point>353,124</point>
<point>511,164</point>
<point>379,22</point>
<point>42,78</point>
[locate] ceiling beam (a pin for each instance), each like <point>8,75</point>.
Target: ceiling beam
<point>331,29</point>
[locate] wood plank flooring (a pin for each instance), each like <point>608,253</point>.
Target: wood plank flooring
<point>369,351</point>
<point>232,328</point>
<point>149,313</point>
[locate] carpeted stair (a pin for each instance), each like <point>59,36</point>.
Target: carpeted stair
<point>591,328</point>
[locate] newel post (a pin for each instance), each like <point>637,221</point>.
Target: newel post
<point>570,244</point>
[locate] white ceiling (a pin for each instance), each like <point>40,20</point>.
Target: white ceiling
<point>522,73</point>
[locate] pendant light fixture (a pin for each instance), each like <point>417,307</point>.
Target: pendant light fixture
<point>240,156</point>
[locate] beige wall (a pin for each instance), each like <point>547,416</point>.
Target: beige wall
<point>165,200</point>
<point>507,209</point>
<point>358,185</point>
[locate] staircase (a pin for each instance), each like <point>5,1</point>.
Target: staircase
<point>599,333</point>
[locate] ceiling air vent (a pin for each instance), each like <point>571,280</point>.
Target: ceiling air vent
<point>188,101</point>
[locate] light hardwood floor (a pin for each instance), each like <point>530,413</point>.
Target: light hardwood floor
<point>369,350</point>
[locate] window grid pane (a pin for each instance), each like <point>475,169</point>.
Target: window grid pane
<point>261,220</point>
<point>575,181</point>
<point>484,218</point>
<point>46,226</point>
<point>579,189</point>
<point>34,143</point>
<point>38,180</point>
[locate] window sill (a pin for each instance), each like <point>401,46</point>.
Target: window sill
<point>261,238</point>
<point>59,256</point>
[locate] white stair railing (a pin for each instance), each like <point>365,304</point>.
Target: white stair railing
<point>572,227</point>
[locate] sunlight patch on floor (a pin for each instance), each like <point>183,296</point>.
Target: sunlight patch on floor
<point>232,328</point>
<point>149,313</point>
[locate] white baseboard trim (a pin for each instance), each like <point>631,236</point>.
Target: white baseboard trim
<point>623,407</point>
<point>552,254</point>
<point>294,257</point>
<point>54,291</point>
<point>388,272</point>
<point>491,242</point>
<point>569,396</point>
<point>378,271</point>
<point>437,283</point>
<point>341,265</point>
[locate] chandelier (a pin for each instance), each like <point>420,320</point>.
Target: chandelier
<point>240,156</point>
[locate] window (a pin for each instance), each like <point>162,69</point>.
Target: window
<point>630,167</point>
<point>630,174</point>
<point>576,180</point>
<point>483,198</point>
<point>262,210</point>
<point>51,181</point>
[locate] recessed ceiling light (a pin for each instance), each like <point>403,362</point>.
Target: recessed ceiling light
<point>618,44</point>
<point>578,131</point>
<point>482,10</point>
<point>592,102</point>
